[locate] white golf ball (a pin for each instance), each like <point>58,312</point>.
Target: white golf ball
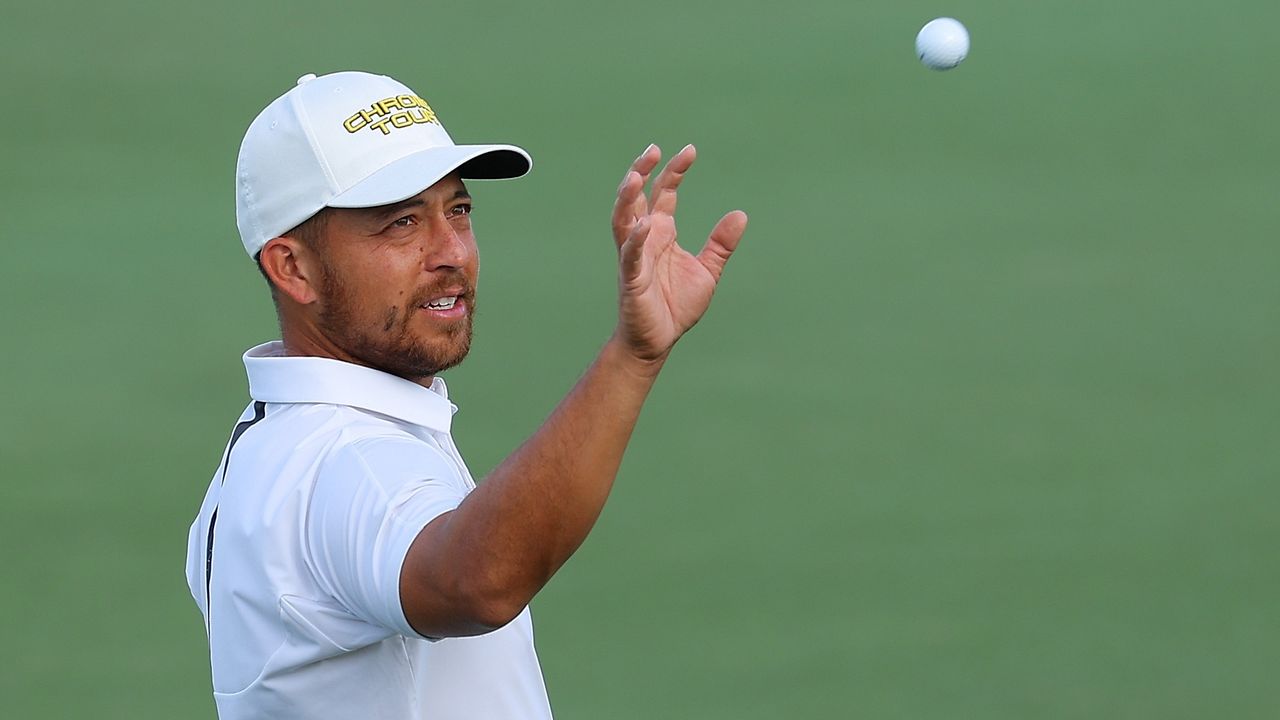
<point>942,43</point>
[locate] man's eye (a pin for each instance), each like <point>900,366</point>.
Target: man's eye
<point>405,221</point>
<point>463,209</point>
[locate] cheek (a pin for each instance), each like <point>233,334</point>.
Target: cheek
<point>389,321</point>
<point>392,288</point>
<point>372,290</point>
<point>473,255</point>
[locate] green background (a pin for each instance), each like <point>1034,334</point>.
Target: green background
<point>983,422</point>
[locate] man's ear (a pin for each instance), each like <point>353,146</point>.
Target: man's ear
<point>293,268</point>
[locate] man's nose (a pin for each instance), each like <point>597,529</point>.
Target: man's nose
<point>447,246</point>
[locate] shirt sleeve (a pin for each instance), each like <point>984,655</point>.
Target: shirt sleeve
<point>371,499</point>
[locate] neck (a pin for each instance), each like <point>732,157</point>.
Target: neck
<point>308,341</point>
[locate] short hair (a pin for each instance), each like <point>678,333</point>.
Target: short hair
<point>310,232</point>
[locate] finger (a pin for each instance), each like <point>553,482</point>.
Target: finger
<point>629,192</point>
<point>644,166</point>
<point>723,240</point>
<point>625,211</point>
<point>663,195</point>
<point>647,161</point>
<point>631,262</point>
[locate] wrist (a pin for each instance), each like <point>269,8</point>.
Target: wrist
<point>617,352</point>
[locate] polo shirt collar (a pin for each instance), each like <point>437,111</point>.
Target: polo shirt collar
<point>277,378</point>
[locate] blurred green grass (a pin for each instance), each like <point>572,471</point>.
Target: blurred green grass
<point>982,423</point>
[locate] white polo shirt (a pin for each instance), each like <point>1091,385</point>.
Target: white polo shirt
<point>295,557</point>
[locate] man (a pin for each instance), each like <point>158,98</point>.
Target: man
<point>346,564</point>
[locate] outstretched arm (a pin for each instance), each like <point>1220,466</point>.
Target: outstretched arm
<point>475,568</point>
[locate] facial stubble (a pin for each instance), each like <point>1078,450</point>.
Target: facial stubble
<point>389,344</point>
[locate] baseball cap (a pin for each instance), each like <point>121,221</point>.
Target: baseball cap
<point>349,140</point>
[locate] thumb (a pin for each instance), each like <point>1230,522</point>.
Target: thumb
<point>723,240</point>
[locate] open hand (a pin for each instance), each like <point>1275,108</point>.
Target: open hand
<point>663,290</point>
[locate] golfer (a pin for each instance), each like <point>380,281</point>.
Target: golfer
<point>344,560</point>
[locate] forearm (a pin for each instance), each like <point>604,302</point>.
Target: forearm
<point>510,535</point>
<point>474,568</point>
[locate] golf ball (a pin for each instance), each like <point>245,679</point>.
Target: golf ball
<point>942,43</point>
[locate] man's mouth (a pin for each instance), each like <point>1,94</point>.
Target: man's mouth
<point>441,303</point>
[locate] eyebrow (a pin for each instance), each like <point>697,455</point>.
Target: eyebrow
<point>386,211</point>
<point>382,213</point>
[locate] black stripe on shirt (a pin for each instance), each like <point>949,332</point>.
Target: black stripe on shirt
<point>259,412</point>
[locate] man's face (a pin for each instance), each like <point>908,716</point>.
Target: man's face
<point>398,282</point>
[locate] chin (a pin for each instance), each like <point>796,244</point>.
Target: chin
<point>433,358</point>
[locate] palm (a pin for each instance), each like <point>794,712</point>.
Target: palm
<point>663,289</point>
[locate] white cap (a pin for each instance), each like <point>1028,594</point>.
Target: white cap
<point>348,140</point>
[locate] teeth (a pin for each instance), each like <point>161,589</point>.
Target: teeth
<point>442,303</point>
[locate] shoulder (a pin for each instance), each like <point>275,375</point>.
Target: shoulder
<point>339,427</point>
<point>382,453</point>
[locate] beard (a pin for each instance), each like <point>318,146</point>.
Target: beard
<point>389,343</point>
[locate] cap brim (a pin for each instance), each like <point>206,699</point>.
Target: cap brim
<point>414,173</point>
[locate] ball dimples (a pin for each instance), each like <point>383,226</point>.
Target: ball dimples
<point>942,43</point>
